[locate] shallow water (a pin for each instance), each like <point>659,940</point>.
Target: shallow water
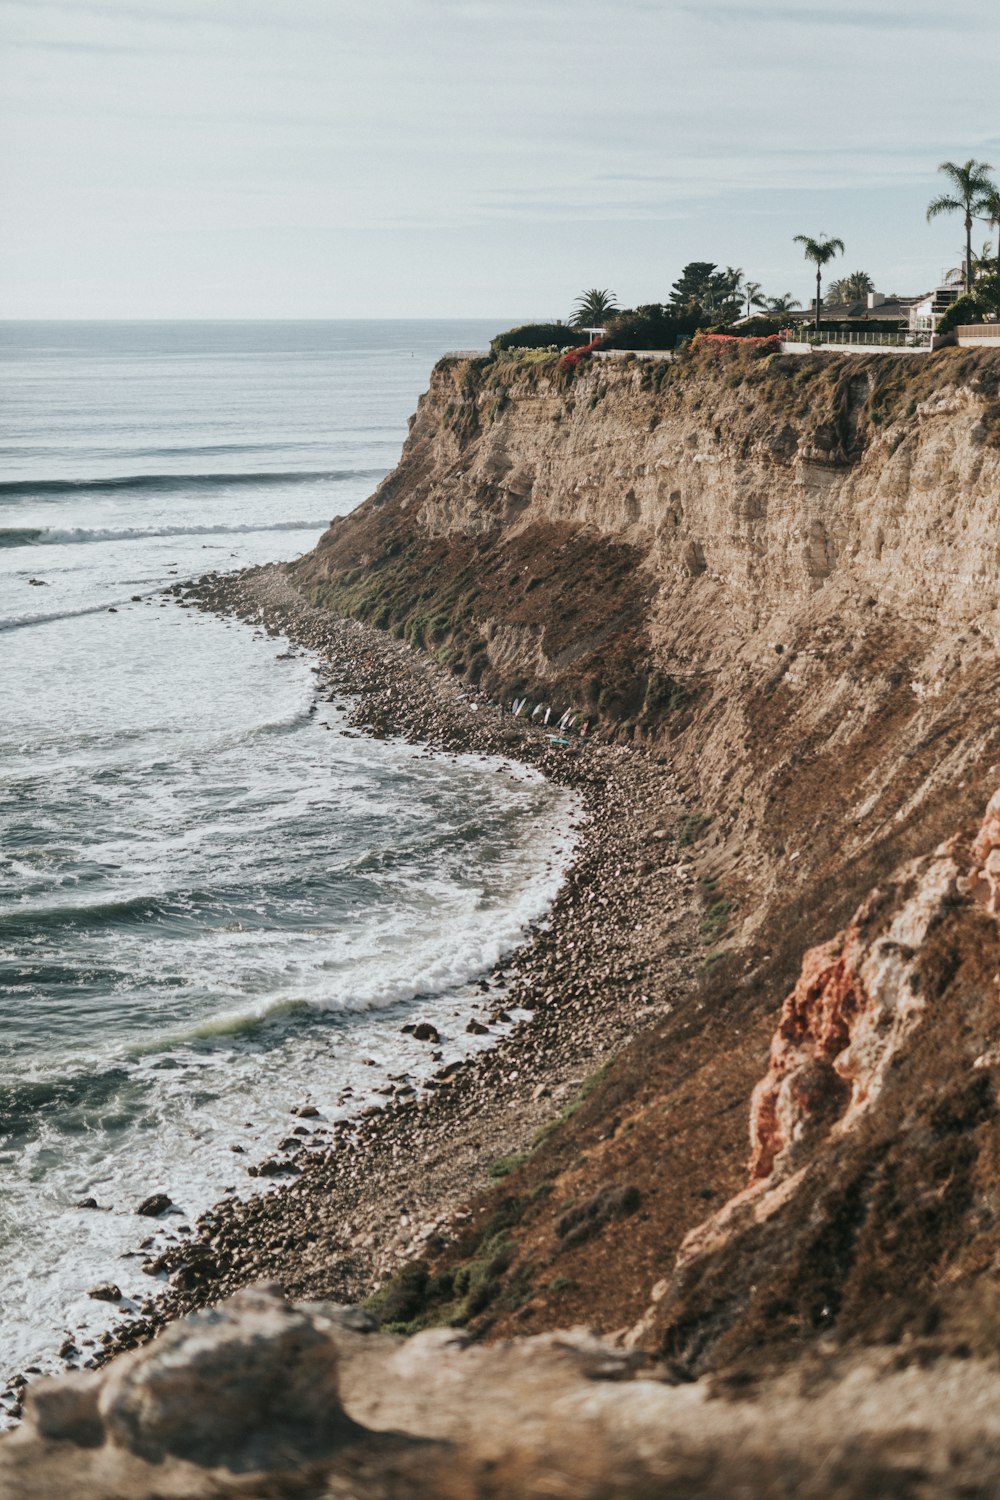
<point>214,902</point>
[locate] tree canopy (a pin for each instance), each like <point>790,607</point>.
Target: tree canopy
<point>982,302</point>
<point>593,308</point>
<point>652,326</point>
<point>851,288</point>
<point>703,287</point>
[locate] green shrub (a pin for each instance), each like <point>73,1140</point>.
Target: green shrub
<point>965,310</point>
<point>402,1298</point>
<point>504,1165</point>
<point>715,919</point>
<point>981,303</point>
<point>539,336</point>
<point>692,827</point>
<point>760,326</point>
<point>651,326</point>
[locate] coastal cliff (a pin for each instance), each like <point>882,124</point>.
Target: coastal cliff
<point>751,1129</point>
<point>783,574</point>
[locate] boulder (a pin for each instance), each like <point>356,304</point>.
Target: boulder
<point>249,1385</point>
<point>154,1205</point>
<point>66,1409</point>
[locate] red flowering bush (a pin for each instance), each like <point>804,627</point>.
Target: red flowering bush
<point>769,344</point>
<point>572,358</point>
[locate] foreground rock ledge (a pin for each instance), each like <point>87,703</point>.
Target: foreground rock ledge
<point>261,1398</point>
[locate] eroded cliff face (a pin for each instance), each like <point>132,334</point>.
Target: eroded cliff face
<point>784,575</point>
<point>789,568</point>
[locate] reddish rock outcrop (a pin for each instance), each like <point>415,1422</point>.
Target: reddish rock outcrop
<point>883,1066</point>
<point>855,1003</point>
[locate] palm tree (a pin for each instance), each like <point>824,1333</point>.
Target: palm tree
<point>971,185</point>
<point>751,290</point>
<point>593,307</point>
<point>991,213</point>
<point>784,304</point>
<point>819,251</point>
<point>982,264</point>
<point>852,288</point>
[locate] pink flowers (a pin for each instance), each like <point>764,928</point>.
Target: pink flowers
<point>572,357</point>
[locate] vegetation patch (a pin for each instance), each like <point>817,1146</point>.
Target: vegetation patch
<point>543,336</point>
<point>715,920</point>
<point>692,827</point>
<point>504,1165</point>
<point>586,1219</point>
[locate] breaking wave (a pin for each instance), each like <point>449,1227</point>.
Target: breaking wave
<point>170,483</point>
<point>40,536</point>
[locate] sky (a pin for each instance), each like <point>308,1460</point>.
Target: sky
<point>467,158</point>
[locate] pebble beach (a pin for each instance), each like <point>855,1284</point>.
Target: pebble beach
<point>344,1203</point>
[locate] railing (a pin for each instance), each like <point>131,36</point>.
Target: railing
<point>979,331</point>
<point>465,354</point>
<point>906,338</point>
<point>661,354</point>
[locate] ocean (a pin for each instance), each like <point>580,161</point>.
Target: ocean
<point>216,903</point>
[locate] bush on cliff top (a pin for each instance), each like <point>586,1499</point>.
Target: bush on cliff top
<point>538,336</point>
<point>651,326</point>
<point>982,302</point>
<point>759,327</point>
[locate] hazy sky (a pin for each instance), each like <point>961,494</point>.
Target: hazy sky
<point>328,158</point>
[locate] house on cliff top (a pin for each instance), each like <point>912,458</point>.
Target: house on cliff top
<point>880,311</point>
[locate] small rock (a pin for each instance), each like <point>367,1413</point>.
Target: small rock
<point>105,1291</point>
<point>425,1032</point>
<point>476,1028</point>
<point>88,1203</point>
<point>357,1319</point>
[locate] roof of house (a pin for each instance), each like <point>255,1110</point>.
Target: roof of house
<point>893,306</point>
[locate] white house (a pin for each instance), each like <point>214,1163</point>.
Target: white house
<point>926,311</point>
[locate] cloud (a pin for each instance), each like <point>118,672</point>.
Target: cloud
<point>903,16</point>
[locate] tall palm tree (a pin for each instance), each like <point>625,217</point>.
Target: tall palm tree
<point>820,252</point>
<point>751,290</point>
<point>971,185</point>
<point>991,213</point>
<point>593,307</point>
<point>783,304</point>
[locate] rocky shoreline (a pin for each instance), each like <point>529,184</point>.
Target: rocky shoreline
<point>350,1202</point>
